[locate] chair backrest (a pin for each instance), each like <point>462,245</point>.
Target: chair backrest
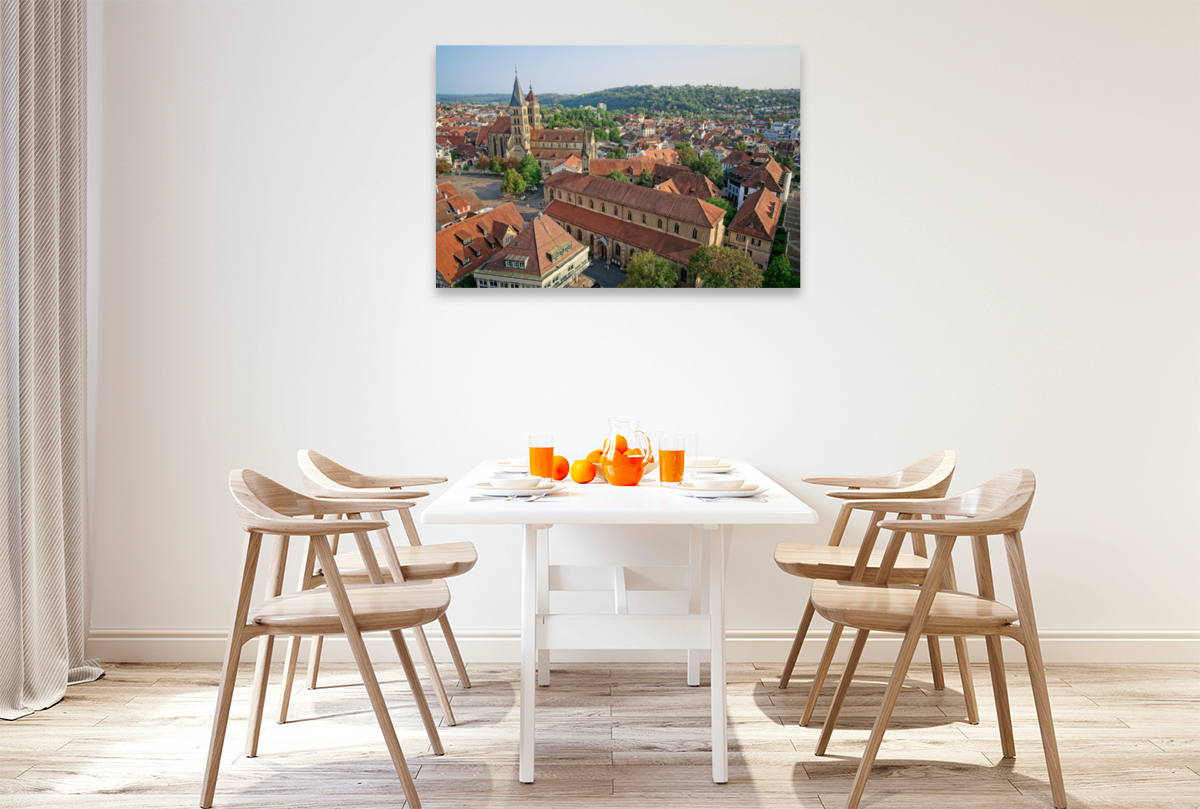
<point>928,477</point>
<point>1003,501</point>
<point>999,506</point>
<point>321,472</point>
<point>932,470</point>
<point>260,500</point>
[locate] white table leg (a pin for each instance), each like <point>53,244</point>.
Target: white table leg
<point>543,599</point>
<point>528,650</point>
<point>716,609</point>
<point>695,564</point>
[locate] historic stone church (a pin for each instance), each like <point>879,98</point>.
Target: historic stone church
<point>520,133</point>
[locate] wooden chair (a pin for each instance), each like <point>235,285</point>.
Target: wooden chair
<point>998,507</point>
<point>264,507</point>
<point>406,563</point>
<point>928,477</point>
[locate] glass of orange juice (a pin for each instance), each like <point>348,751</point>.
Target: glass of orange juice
<point>541,455</point>
<point>671,449</point>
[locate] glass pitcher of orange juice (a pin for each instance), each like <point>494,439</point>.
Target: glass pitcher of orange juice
<point>628,453</point>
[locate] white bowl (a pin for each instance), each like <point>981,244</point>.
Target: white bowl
<point>520,482</point>
<point>519,461</point>
<point>723,483</point>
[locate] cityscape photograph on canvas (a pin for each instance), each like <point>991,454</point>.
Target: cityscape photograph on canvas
<point>627,167</point>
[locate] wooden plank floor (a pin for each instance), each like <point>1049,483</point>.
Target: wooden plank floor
<point>610,736</point>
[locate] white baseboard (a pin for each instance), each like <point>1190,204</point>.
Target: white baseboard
<point>742,646</point>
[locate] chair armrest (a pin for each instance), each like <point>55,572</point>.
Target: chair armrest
<point>348,505</point>
<point>361,494</point>
<point>855,481</point>
<point>878,494</point>
<point>949,528</point>
<point>308,528</point>
<point>397,481</point>
<point>915,505</point>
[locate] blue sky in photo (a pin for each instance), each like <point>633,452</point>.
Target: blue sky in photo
<point>577,69</point>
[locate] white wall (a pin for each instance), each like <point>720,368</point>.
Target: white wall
<point>1001,257</point>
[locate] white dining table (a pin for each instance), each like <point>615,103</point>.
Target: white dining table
<point>596,503</point>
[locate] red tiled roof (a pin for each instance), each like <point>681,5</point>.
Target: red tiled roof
<point>661,155</point>
<point>631,167</point>
<point>466,245</point>
<point>560,135</point>
<point>502,125</point>
<point>639,236</point>
<point>663,203</point>
<point>758,216</point>
<point>537,244</point>
<point>455,205</point>
<point>663,172</point>
<point>691,184</point>
<point>446,189</point>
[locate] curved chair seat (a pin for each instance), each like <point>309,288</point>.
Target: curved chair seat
<point>889,608</point>
<point>417,563</point>
<point>834,562</point>
<point>376,607</point>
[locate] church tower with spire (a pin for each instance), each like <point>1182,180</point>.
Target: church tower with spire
<point>518,113</point>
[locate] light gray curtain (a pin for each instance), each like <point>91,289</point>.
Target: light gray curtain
<point>43,496</point>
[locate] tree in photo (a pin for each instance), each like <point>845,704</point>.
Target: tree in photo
<point>513,163</point>
<point>646,178</point>
<point>466,282</point>
<point>513,183</point>
<point>724,205</point>
<point>648,270</point>
<point>617,153</point>
<point>741,145</point>
<point>688,158</point>
<point>531,172</point>
<point>779,274</point>
<point>711,168</point>
<point>618,176</point>
<point>497,165</point>
<point>717,266</point>
<point>614,134</point>
<point>483,163</point>
<point>444,166</point>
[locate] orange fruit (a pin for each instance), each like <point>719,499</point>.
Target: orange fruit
<point>622,444</point>
<point>560,466</point>
<point>595,455</point>
<point>583,471</point>
<point>634,451</point>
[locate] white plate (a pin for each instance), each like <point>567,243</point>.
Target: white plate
<point>747,490</point>
<point>509,466</point>
<point>708,465</point>
<point>498,488</point>
<point>709,470</point>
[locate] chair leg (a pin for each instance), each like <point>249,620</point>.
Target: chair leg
<point>414,684</point>
<point>790,663</point>
<point>258,693</point>
<point>233,651</point>
<point>899,672</point>
<point>289,676</point>
<point>367,671</point>
<point>1008,742</point>
<point>464,679</point>
<point>968,682</point>
<point>1037,669</point>
<point>434,676</point>
<point>839,697</point>
<point>912,638</point>
<point>835,634</point>
<point>262,666</point>
<point>935,662</point>
<point>314,661</point>
<point>220,722</point>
